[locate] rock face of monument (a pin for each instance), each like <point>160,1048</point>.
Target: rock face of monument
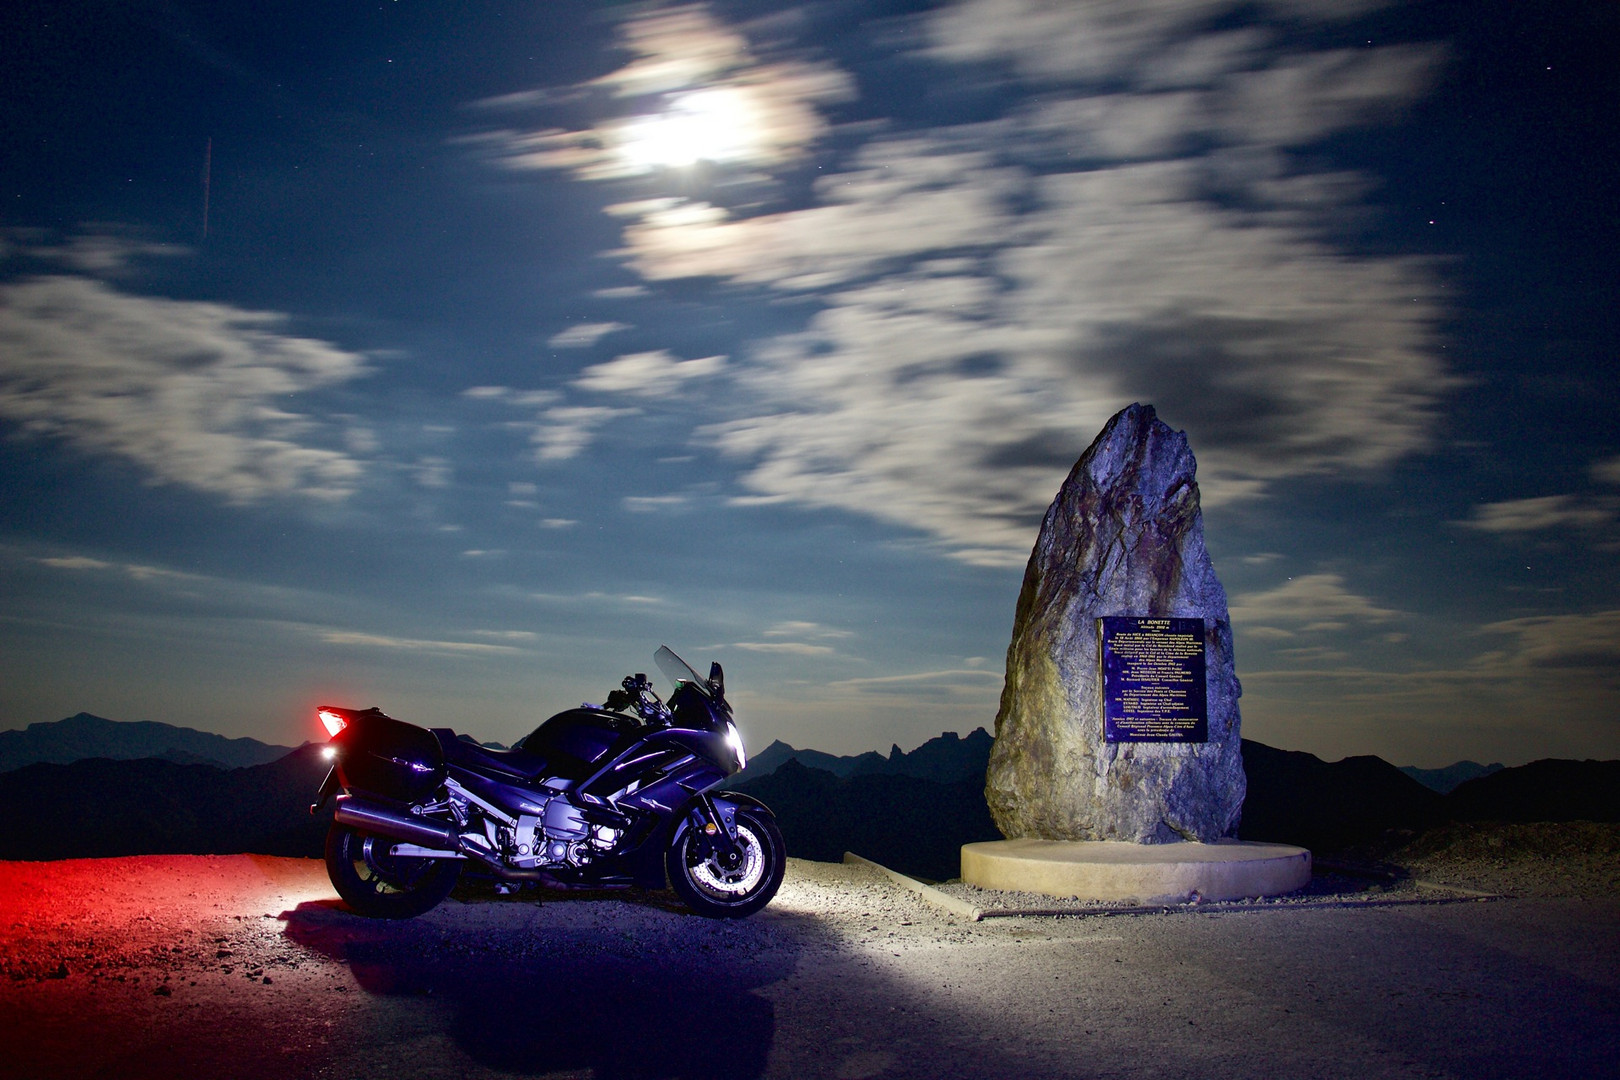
<point>1123,537</point>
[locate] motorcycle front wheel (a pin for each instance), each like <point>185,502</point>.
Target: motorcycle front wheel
<point>719,891</point>
<point>383,886</point>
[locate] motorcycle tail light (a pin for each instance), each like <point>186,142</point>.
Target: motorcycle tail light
<point>332,722</point>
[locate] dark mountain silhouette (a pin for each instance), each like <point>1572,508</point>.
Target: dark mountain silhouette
<point>86,736</point>
<point>1551,789</point>
<point>907,823</point>
<point>1297,798</point>
<point>946,758</point>
<point>779,753</point>
<point>1445,780</point>
<point>98,808</point>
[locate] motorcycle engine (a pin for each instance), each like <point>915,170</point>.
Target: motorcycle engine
<point>559,837</point>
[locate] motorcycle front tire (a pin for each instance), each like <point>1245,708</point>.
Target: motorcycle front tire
<point>383,886</point>
<point>716,892</point>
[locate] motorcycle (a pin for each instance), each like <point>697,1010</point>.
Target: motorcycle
<point>613,795</point>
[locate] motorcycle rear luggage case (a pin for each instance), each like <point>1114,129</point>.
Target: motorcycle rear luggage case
<point>390,757</point>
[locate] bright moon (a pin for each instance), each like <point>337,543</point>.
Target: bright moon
<point>707,125</point>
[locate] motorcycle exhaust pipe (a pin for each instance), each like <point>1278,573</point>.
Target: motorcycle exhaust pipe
<point>382,821</point>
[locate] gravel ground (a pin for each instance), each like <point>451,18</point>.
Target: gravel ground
<point>246,966</point>
<point>1578,859</point>
<point>1457,862</point>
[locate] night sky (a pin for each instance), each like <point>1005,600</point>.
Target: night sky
<point>452,357</point>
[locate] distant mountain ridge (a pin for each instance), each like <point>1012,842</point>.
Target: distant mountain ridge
<point>84,735</point>
<point>947,758</point>
<point>907,811</point>
<point>100,808</point>
<point>1446,780</point>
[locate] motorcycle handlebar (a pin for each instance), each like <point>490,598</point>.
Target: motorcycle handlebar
<point>638,693</point>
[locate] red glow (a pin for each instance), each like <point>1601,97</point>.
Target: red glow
<point>332,722</point>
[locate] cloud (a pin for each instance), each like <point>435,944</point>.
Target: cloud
<point>1308,603</point>
<point>1068,43</point>
<point>138,571</point>
<point>508,396</point>
<point>584,335</point>
<point>693,92</point>
<point>596,598</point>
<point>961,675</point>
<point>382,641</point>
<point>801,628</point>
<point>158,573</point>
<point>190,392</point>
<point>808,635</point>
<point>646,374</point>
<point>788,648</point>
<point>1543,513</point>
<point>648,504</point>
<point>431,472</point>
<point>565,431</point>
<point>1607,471</point>
<point>108,254</point>
<point>76,562</point>
<point>561,432</point>
<point>957,683</point>
<point>1139,223</point>
<point>1558,641</point>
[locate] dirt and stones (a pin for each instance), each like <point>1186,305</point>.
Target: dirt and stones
<point>246,967</point>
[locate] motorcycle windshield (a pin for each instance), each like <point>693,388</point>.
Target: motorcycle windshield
<point>679,670</point>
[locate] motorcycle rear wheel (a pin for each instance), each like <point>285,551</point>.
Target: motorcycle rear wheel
<point>718,892</point>
<point>383,886</point>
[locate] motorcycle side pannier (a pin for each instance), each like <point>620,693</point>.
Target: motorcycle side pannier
<point>390,757</point>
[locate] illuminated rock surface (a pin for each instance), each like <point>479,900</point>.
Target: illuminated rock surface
<point>1124,536</point>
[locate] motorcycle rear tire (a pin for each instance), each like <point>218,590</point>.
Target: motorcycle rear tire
<point>711,891</point>
<point>382,886</point>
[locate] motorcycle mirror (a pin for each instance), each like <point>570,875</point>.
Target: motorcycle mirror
<point>717,678</point>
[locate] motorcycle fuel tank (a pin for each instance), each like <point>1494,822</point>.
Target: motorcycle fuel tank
<point>576,741</point>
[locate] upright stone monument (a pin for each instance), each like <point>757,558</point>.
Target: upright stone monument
<point>1117,768</point>
<point>1104,732</point>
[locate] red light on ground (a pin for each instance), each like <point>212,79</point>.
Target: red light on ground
<point>332,722</point>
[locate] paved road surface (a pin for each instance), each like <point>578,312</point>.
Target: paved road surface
<point>241,966</point>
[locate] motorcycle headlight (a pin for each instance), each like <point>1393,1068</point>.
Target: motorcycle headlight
<point>734,740</point>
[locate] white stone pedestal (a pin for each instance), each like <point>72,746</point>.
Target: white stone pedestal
<point>1137,873</point>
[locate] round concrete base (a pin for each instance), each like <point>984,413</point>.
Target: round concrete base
<point>1137,873</point>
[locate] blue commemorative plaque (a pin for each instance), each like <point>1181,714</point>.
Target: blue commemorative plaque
<point>1153,679</point>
